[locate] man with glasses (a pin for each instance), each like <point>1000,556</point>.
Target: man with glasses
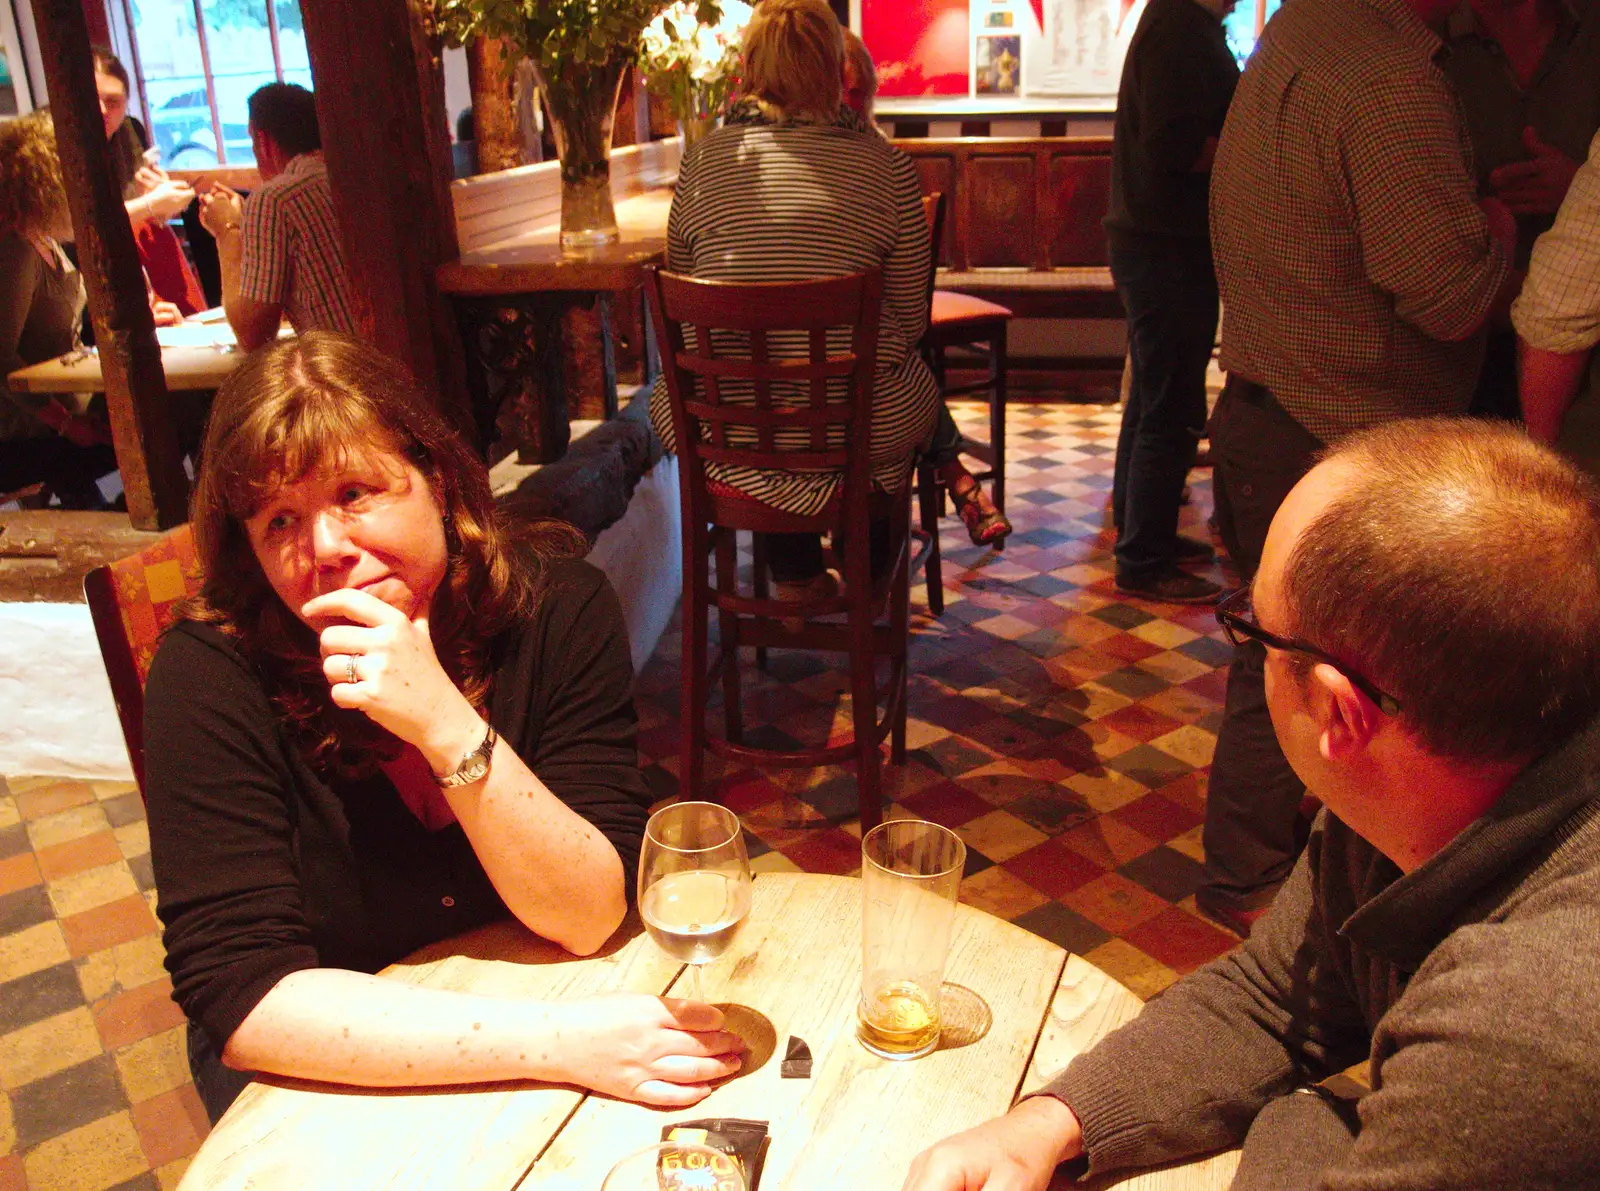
<point>1429,602</point>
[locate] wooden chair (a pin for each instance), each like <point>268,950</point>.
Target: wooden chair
<point>960,320</point>
<point>716,336</point>
<point>131,602</point>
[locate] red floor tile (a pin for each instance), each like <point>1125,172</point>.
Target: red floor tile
<point>1053,868</point>
<point>1180,940</point>
<point>106,926</point>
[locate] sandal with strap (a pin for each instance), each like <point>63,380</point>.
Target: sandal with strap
<point>985,524</point>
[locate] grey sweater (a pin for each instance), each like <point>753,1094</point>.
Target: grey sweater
<point>1472,983</point>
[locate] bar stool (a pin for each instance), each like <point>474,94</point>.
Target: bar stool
<point>718,352</point>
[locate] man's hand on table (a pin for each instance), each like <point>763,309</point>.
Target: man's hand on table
<point>1016,1152</point>
<point>166,314</point>
<point>656,1050</point>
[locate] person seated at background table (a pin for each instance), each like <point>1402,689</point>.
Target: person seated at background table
<point>44,439</point>
<point>279,250</point>
<point>985,523</point>
<point>792,188</point>
<point>1429,596</point>
<point>152,198</point>
<point>391,715</point>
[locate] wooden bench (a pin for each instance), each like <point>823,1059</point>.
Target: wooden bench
<point>1022,223</point>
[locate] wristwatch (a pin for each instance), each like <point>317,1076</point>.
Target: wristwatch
<point>473,766</point>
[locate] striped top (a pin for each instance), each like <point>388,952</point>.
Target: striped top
<point>1354,263</point>
<point>762,202</point>
<point>293,256</point>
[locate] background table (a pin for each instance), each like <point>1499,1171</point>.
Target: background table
<point>539,322</point>
<point>205,359</point>
<point>1022,1008</point>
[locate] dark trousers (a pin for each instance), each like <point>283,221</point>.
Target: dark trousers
<point>945,445</point>
<point>1258,452</point>
<point>1496,395</point>
<point>217,1084</point>
<point>797,557</point>
<point>1170,293</point>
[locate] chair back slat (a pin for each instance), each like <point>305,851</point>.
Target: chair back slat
<point>778,377</point>
<point>933,212</point>
<point>828,415</point>
<point>132,602</point>
<point>757,372</point>
<point>779,370</point>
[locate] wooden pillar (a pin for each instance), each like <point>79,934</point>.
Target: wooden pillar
<point>492,74</point>
<point>130,359</point>
<point>380,104</point>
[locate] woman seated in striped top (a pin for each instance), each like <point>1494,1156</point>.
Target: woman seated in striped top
<point>985,523</point>
<point>795,187</point>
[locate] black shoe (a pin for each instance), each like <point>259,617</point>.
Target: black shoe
<point>1171,586</point>
<point>1192,550</point>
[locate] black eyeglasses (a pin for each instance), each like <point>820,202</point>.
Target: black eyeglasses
<point>1237,618</point>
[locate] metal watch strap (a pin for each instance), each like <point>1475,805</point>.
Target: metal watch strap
<point>473,766</point>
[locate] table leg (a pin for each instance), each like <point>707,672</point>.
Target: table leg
<point>514,366</point>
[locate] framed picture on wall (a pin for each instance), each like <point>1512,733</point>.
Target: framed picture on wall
<point>921,47</point>
<point>999,65</point>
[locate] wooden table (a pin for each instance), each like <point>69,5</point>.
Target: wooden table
<point>538,319</point>
<point>206,357</point>
<point>1022,1009</point>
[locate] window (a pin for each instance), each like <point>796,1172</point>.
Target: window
<point>198,62</point>
<point>1245,23</point>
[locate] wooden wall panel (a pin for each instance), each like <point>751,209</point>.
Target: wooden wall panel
<point>1002,211</point>
<point>937,172</point>
<point>1080,188</point>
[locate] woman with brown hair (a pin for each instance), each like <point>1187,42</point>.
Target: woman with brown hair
<point>390,716</point>
<point>42,440</point>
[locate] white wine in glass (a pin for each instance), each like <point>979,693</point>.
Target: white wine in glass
<point>694,882</point>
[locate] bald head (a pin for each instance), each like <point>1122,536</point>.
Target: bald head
<point>1456,564</point>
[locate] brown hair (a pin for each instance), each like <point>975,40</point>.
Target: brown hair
<point>792,55</point>
<point>863,72</point>
<point>311,402</point>
<point>109,64</point>
<point>1459,570</point>
<point>32,196</point>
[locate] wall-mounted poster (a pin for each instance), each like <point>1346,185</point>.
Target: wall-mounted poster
<point>998,20</point>
<point>999,63</point>
<point>1084,43</point>
<point>920,46</point>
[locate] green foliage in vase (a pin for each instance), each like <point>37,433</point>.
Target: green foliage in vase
<point>555,34</point>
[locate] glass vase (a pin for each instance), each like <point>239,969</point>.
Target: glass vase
<point>582,101</point>
<point>693,129</point>
<point>697,113</point>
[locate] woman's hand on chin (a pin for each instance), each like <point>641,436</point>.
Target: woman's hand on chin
<point>656,1050</point>
<point>400,684</point>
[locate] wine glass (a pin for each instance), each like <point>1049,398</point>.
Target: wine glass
<point>675,1166</point>
<point>694,882</point>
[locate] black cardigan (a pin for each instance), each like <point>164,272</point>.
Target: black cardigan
<point>264,866</point>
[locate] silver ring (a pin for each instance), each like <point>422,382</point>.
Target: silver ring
<point>350,669</point>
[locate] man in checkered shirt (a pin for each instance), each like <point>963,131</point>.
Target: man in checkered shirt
<point>1357,269</point>
<point>1557,317</point>
<point>280,251</point>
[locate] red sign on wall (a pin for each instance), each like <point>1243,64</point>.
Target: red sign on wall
<point>920,46</point>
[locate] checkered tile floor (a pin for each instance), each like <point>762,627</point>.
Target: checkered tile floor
<point>1065,732</point>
